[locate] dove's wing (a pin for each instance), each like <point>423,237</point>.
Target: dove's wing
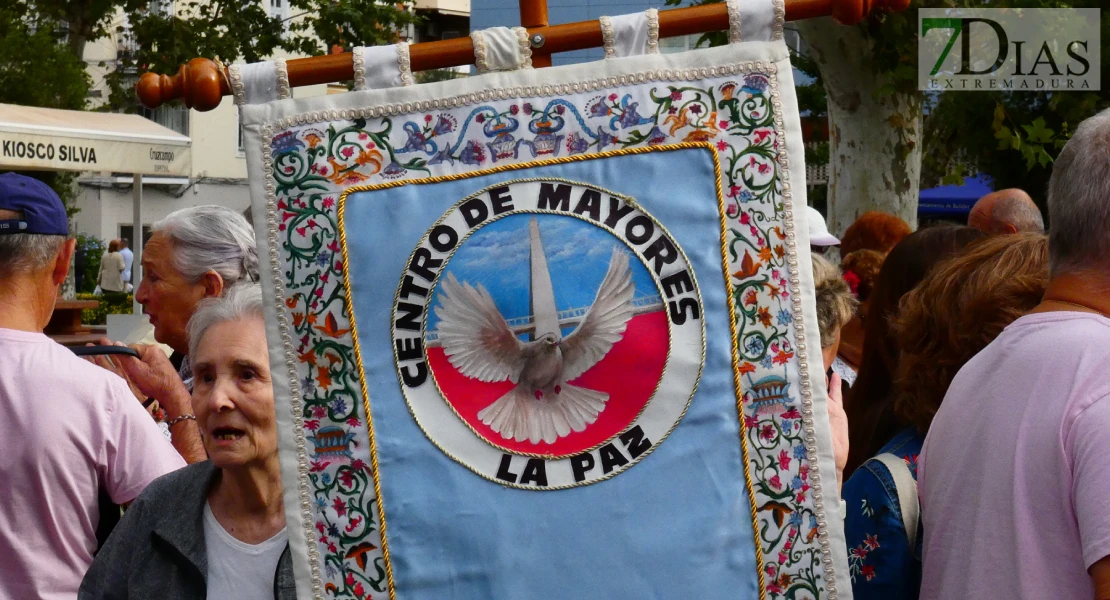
<point>604,323</point>
<point>474,335</point>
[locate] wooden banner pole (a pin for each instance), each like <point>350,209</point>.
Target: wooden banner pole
<point>533,15</point>
<point>201,84</point>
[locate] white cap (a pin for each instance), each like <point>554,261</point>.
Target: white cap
<point>818,232</point>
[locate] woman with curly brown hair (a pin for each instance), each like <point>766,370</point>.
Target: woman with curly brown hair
<point>957,310</point>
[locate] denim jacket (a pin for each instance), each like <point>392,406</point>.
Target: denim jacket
<point>880,561</point>
<point>157,550</point>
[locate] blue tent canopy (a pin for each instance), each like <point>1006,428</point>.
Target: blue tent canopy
<point>954,200</point>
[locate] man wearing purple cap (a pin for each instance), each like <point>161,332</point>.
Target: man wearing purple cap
<point>70,428</point>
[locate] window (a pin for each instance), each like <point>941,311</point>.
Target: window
<point>127,232</point>
<point>678,44</point>
<point>171,116</point>
<point>160,7</point>
<point>241,136</point>
<point>279,9</point>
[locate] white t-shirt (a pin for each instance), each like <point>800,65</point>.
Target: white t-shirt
<point>128,258</point>
<point>237,569</point>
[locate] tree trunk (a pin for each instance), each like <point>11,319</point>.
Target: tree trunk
<point>77,43</point>
<point>874,138</point>
<point>77,18</point>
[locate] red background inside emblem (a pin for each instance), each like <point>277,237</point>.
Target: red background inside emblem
<point>628,373</point>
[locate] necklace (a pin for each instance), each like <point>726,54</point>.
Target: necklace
<point>1077,305</point>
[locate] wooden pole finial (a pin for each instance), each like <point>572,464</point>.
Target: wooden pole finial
<point>200,83</point>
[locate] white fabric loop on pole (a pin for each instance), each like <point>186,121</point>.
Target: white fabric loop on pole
<point>755,20</point>
<point>631,35</point>
<point>380,67</point>
<point>501,49</point>
<point>258,83</point>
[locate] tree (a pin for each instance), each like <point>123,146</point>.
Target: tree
<point>229,30</point>
<point>347,23</point>
<point>881,126</point>
<point>83,21</point>
<point>875,114</point>
<point>873,107</point>
<point>37,70</point>
<point>1027,130</point>
<point>42,45</point>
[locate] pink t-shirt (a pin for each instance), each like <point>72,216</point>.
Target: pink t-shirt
<point>1015,472</point>
<point>68,427</point>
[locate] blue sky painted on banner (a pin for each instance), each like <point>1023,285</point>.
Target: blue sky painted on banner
<point>578,253</point>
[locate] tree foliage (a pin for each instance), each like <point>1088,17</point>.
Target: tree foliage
<point>346,23</point>
<point>1011,136</point>
<point>162,41</point>
<point>37,69</point>
<point>42,43</point>
<point>160,35</point>
<point>229,30</point>
<point>1016,135</point>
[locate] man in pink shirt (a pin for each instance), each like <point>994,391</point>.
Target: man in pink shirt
<point>1015,472</point>
<point>69,428</point>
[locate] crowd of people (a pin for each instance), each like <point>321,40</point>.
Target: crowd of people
<point>113,280</point>
<point>214,528</point>
<point>968,371</point>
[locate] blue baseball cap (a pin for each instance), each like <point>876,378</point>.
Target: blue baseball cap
<point>42,209</point>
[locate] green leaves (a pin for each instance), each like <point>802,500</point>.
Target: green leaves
<point>345,23</point>
<point>231,30</point>
<point>1037,132</point>
<point>955,176</point>
<point>1032,140</point>
<point>36,69</point>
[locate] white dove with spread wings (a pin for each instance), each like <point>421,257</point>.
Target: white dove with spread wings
<point>479,343</point>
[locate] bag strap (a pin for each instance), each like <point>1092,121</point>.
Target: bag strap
<point>906,487</point>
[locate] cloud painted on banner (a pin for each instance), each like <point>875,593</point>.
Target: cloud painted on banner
<point>578,253</point>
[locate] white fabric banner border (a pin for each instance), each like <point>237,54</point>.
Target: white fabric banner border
<point>522,84</point>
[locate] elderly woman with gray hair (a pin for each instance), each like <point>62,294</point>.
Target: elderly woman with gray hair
<point>193,254</point>
<point>215,529</point>
<point>835,305</point>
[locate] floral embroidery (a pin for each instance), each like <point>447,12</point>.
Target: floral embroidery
<point>313,164</point>
<point>857,558</point>
<point>881,563</point>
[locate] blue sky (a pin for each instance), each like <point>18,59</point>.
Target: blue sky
<point>578,253</point>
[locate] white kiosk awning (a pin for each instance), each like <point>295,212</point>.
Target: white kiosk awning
<point>70,140</point>
<point>49,139</point>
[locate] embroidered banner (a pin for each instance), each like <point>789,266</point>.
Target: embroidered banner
<point>543,334</point>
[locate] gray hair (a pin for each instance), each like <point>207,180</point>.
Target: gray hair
<point>211,238</point>
<point>26,252</point>
<point>834,299</point>
<point>1079,199</point>
<point>241,302</point>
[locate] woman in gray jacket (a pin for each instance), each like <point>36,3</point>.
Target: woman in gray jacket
<point>215,529</point>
